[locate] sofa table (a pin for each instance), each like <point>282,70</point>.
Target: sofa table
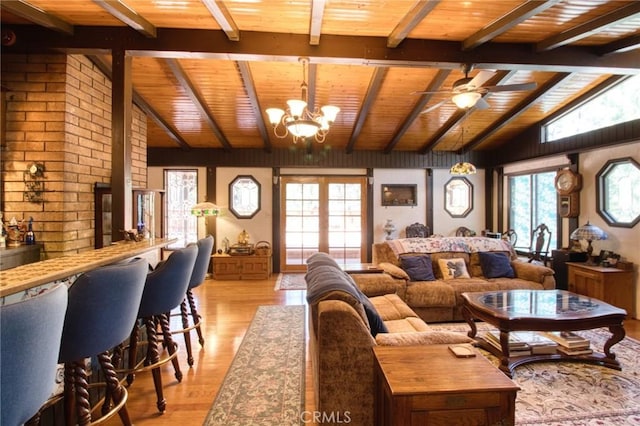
<point>419,385</point>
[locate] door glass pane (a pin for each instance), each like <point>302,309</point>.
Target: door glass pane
<point>301,222</point>
<point>344,208</point>
<point>181,188</point>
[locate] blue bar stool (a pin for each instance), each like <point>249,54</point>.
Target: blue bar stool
<point>103,306</point>
<point>205,247</point>
<point>30,332</point>
<point>164,290</point>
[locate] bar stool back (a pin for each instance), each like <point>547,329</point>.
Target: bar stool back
<point>30,333</point>
<point>205,247</point>
<point>164,290</point>
<point>103,307</point>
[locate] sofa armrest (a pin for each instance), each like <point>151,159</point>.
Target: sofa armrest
<point>421,338</point>
<point>536,273</point>
<point>379,284</point>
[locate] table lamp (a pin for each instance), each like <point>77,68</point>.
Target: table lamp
<point>205,209</point>
<point>590,233</point>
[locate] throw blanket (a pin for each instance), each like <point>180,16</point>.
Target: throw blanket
<point>324,279</point>
<point>448,244</point>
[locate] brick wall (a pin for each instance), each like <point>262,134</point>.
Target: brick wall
<point>58,113</point>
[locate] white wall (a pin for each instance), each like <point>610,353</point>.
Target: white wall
<point>624,241</point>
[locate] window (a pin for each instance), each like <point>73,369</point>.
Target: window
<point>532,201</point>
<point>619,192</point>
<point>458,197</point>
<point>182,193</point>
<point>244,197</point>
<point>617,105</point>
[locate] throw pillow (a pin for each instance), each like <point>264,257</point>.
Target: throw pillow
<point>496,265</point>
<point>375,321</point>
<point>453,268</point>
<point>419,268</point>
<point>393,270</point>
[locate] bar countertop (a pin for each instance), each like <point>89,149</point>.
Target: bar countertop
<point>27,276</point>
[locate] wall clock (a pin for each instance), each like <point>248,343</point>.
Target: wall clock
<point>567,182</point>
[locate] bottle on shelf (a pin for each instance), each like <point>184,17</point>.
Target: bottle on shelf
<point>30,237</point>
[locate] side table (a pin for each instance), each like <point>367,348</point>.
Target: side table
<point>611,285</point>
<point>419,385</point>
<point>241,267</point>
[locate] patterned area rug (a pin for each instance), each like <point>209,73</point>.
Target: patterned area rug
<point>291,281</point>
<point>265,383</point>
<point>573,393</point>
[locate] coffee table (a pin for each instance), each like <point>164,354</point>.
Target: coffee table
<point>542,310</point>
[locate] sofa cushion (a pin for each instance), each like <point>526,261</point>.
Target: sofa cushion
<point>419,268</point>
<point>391,307</point>
<point>422,338</point>
<point>435,260</point>
<point>424,294</point>
<point>453,268</point>
<point>516,284</point>
<point>393,270</point>
<point>496,265</point>
<point>406,325</point>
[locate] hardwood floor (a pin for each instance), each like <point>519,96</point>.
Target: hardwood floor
<point>227,308</point>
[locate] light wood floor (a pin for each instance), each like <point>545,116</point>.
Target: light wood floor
<point>227,308</point>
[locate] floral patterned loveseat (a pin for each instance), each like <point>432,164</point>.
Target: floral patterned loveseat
<point>430,274</point>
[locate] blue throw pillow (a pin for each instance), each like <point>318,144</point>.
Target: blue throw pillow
<point>375,321</point>
<point>419,268</point>
<point>496,265</point>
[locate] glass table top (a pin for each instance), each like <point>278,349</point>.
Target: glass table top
<point>536,303</point>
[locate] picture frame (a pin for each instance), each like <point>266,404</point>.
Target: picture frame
<point>399,194</point>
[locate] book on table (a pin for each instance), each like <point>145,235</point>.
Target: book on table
<point>516,346</point>
<point>574,351</point>
<point>524,343</point>
<point>568,339</point>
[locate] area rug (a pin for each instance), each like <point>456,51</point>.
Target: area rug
<point>291,281</point>
<point>264,385</point>
<point>573,393</point>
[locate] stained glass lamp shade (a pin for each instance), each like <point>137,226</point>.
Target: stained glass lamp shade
<point>589,233</point>
<point>205,209</point>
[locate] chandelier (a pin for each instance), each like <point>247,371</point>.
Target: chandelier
<point>462,167</point>
<point>298,119</point>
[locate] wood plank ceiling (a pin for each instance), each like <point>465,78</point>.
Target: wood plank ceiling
<point>206,70</point>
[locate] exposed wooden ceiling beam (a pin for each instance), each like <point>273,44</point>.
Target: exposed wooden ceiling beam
<point>372,93</point>
<point>315,26</point>
<point>459,115</point>
<point>334,49</point>
<point>516,16</point>
<point>198,100</point>
<point>127,15</point>
<point>105,68</point>
<point>37,16</point>
<point>514,112</point>
<point>409,21</point>
<point>588,28</point>
<point>420,104</point>
<point>252,94</point>
<point>222,16</point>
<point>623,45</point>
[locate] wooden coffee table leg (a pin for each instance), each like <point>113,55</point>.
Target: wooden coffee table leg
<point>466,314</point>
<point>617,334</point>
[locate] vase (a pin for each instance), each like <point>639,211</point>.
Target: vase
<point>389,228</point>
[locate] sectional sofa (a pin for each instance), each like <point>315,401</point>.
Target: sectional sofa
<point>430,274</point>
<point>344,326</point>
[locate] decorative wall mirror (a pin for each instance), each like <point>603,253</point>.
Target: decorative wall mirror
<point>244,196</point>
<point>458,197</point>
<point>618,192</point>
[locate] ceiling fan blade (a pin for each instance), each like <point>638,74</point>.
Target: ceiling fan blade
<point>482,104</point>
<point>480,78</point>
<point>511,87</point>
<point>431,93</point>
<point>436,106</point>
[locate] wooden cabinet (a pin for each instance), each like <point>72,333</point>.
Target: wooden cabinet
<point>10,257</point>
<point>449,390</point>
<point>559,265</point>
<point>248,267</point>
<point>611,285</point>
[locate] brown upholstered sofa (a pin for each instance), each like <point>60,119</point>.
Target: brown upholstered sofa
<point>344,326</point>
<point>439,299</point>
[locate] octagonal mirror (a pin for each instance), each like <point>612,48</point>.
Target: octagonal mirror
<point>618,192</point>
<point>458,197</point>
<point>244,197</point>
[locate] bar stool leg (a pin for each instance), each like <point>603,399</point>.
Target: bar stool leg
<point>83,407</point>
<point>195,316</point>
<point>133,353</point>
<point>187,334</point>
<point>171,345</point>
<point>153,356</point>
<point>114,388</point>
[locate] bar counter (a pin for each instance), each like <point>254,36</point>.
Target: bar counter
<point>25,277</point>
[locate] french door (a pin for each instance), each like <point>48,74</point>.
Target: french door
<point>322,213</point>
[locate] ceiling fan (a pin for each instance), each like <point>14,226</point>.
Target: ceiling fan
<point>468,92</point>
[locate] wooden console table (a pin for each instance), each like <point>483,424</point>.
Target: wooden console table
<point>419,385</point>
<point>611,285</point>
<point>241,267</point>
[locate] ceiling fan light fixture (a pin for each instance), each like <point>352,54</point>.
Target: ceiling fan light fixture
<point>298,119</point>
<point>466,100</point>
<point>463,168</point>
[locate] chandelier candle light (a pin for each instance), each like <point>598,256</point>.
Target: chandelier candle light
<point>298,119</point>
<point>590,233</point>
